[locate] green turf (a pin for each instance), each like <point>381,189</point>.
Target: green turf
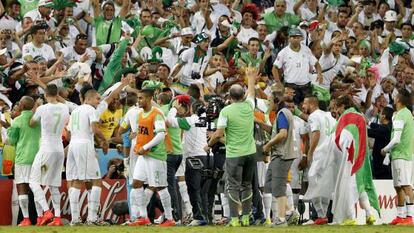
<point>297,229</point>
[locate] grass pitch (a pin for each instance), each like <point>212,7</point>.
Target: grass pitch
<point>210,229</point>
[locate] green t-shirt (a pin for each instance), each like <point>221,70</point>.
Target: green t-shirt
<point>237,120</point>
<point>24,138</point>
<point>102,29</point>
<point>403,121</point>
<point>158,151</point>
<point>274,22</point>
<point>27,5</point>
<point>174,134</point>
<point>248,60</point>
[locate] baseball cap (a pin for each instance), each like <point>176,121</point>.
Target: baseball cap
<point>201,37</point>
<point>187,31</point>
<point>391,78</point>
<point>390,16</point>
<point>295,32</point>
<point>45,3</point>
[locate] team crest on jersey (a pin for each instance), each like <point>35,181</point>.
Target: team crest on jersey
<point>143,130</point>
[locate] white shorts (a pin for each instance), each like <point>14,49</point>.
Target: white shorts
<point>151,171</point>
<point>261,173</point>
<point>181,168</point>
<point>132,161</point>
<point>401,172</point>
<point>22,174</point>
<point>82,162</point>
<point>47,168</point>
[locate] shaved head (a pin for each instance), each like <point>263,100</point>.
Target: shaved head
<point>236,92</point>
<point>27,103</point>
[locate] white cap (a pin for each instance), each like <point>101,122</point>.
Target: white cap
<point>187,31</point>
<point>46,3</point>
<point>3,51</point>
<point>390,16</point>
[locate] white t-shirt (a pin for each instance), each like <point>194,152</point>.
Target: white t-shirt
<point>81,121</point>
<point>328,61</point>
<point>189,66</point>
<point>7,22</point>
<point>296,65</point>
<point>52,118</point>
<point>300,128</point>
<point>30,50</point>
<point>306,13</point>
<point>245,34</point>
<point>70,55</point>
<point>323,122</point>
<point>214,79</point>
<point>365,21</point>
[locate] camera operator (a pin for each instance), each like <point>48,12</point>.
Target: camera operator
<point>237,121</point>
<point>116,169</point>
<point>195,139</point>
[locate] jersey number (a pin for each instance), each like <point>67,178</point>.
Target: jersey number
<point>57,117</point>
<point>75,121</point>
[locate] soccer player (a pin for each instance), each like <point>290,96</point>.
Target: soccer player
<point>151,166</point>
<point>400,148</point>
<point>321,125</point>
<point>48,163</point>
<point>21,136</point>
<point>82,164</point>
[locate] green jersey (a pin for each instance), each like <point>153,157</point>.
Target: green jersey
<point>173,138</point>
<point>107,31</point>
<point>403,121</point>
<point>25,138</point>
<point>274,22</point>
<point>27,5</point>
<point>237,120</point>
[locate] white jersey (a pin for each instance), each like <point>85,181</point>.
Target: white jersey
<point>80,123</point>
<point>30,51</point>
<point>52,118</point>
<point>323,122</point>
<point>300,128</point>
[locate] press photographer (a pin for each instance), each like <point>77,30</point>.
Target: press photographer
<point>184,115</point>
<point>116,169</point>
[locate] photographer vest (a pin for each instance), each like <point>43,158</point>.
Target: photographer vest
<point>146,132</point>
<point>285,148</point>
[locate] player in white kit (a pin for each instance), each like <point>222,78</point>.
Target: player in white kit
<point>82,164</point>
<point>48,163</point>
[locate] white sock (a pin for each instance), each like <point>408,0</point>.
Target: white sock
<point>166,203</point>
<point>54,192</point>
<point>225,205</point>
<point>184,196</point>
<point>141,201</point>
<point>39,209</point>
<point>74,204</point>
<point>39,196</point>
<point>15,205</point>
<point>401,211</point>
<point>364,202</point>
<point>289,195</point>
<point>267,204</point>
<point>89,195</point>
<point>274,207</point>
<point>410,209</point>
<point>24,205</point>
<point>134,204</point>
<point>94,204</point>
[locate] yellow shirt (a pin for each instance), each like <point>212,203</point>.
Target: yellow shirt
<point>109,121</point>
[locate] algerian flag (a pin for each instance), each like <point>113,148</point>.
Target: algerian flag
<point>354,168</point>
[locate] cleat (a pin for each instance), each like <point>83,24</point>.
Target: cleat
<point>349,222</point>
<point>279,223</point>
<point>293,219</point>
<point>25,222</point>
<point>47,217</point>
<point>397,221</point>
<point>268,222</point>
<point>56,222</point>
<point>370,220</point>
<point>321,221</point>
<point>234,222</point>
<point>141,222</point>
<point>187,218</point>
<point>39,219</point>
<point>245,222</point>
<point>196,222</point>
<point>223,221</point>
<point>407,221</point>
<point>167,223</point>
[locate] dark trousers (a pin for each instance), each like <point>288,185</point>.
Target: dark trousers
<point>199,188</point>
<point>173,163</point>
<point>240,171</point>
<point>301,91</point>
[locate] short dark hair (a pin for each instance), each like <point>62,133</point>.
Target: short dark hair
<point>164,65</point>
<point>85,89</point>
<point>81,36</point>
<point>165,97</point>
<point>345,100</point>
<point>147,92</point>
<point>90,92</point>
<point>147,10</point>
<point>14,2</point>
<point>253,39</point>
<point>52,90</point>
<point>407,23</point>
<point>387,112</point>
<point>131,99</point>
<point>404,97</point>
<point>194,91</point>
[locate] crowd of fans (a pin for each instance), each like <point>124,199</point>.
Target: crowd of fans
<point>322,48</point>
